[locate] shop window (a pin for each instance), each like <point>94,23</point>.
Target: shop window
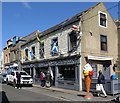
<point>54,47</point>
<point>26,54</point>
<point>103,40</point>
<point>33,52</point>
<point>41,50</point>
<point>103,19</point>
<point>94,66</point>
<point>72,41</point>
<point>66,73</point>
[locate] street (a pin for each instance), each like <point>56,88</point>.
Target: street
<point>9,93</point>
<point>36,94</point>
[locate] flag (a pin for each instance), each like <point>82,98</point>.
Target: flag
<point>38,39</point>
<point>54,47</point>
<point>30,53</point>
<point>22,54</point>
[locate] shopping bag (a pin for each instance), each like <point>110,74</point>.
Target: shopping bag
<point>98,87</point>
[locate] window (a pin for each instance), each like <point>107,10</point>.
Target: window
<point>72,41</point>
<point>103,19</point>
<point>94,66</point>
<point>33,52</point>
<point>41,50</point>
<point>66,73</point>
<point>26,54</point>
<point>54,46</point>
<point>6,58</point>
<point>9,57</point>
<point>103,40</point>
<point>14,53</point>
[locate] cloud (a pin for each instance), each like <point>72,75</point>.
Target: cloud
<point>26,5</point>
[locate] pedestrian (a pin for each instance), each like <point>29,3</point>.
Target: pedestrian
<point>42,78</point>
<point>18,80</point>
<point>101,81</point>
<point>48,79</point>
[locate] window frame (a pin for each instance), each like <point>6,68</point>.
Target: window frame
<point>70,49</point>
<point>95,66</point>
<point>32,52</point>
<point>54,54</point>
<point>99,19</point>
<point>42,47</point>
<point>14,57</point>
<point>104,42</point>
<point>26,57</point>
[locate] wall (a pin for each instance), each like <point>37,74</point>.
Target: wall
<point>91,43</point>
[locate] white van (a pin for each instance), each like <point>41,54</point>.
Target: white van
<point>25,78</point>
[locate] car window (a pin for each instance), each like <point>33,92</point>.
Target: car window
<point>23,73</point>
<point>4,75</point>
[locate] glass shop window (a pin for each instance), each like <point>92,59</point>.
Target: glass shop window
<point>66,73</point>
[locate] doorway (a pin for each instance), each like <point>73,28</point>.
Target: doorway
<point>53,71</point>
<point>106,71</point>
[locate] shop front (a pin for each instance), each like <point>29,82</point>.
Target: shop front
<point>106,65</point>
<point>65,71</point>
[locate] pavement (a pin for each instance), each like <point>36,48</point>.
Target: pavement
<point>72,95</point>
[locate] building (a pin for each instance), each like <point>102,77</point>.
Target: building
<point>1,62</point>
<point>118,61</point>
<point>88,37</point>
<point>12,52</point>
<point>7,55</point>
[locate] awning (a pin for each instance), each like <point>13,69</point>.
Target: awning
<point>102,58</point>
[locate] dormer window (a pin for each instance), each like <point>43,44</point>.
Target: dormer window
<point>102,19</point>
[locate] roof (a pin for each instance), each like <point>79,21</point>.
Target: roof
<point>67,21</point>
<point>29,37</point>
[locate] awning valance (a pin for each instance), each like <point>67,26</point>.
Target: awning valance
<point>102,58</point>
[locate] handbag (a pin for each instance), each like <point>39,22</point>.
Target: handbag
<point>98,87</point>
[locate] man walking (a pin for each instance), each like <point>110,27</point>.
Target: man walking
<point>101,81</point>
<point>18,80</point>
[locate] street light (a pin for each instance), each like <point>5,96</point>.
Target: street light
<point>19,52</point>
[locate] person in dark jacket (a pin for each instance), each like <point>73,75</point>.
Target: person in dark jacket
<point>18,80</point>
<point>101,81</point>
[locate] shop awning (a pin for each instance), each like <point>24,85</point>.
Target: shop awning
<point>102,58</point>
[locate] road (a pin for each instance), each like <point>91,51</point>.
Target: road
<point>9,93</point>
<point>37,94</point>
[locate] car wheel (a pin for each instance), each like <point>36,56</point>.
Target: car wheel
<point>7,81</point>
<point>14,83</point>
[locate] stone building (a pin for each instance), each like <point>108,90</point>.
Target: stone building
<point>87,37</point>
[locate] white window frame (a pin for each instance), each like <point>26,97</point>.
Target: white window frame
<point>34,55</point>
<point>43,52</point>
<point>99,19</point>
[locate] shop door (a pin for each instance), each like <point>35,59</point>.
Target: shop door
<point>53,70</point>
<point>106,71</point>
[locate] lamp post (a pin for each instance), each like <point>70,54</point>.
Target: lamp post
<point>19,52</point>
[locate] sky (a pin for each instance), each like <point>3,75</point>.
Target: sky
<point>23,18</point>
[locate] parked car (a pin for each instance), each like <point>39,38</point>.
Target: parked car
<point>25,78</point>
<point>3,77</point>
